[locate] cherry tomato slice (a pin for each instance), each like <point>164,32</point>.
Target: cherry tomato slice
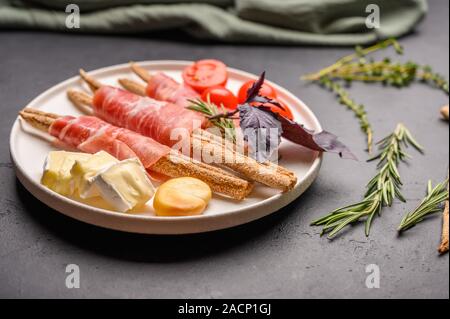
<point>220,95</point>
<point>286,112</point>
<point>204,74</point>
<point>266,90</point>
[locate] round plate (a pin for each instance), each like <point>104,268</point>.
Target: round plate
<point>28,153</point>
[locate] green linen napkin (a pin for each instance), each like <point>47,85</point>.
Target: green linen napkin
<point>293,22</point>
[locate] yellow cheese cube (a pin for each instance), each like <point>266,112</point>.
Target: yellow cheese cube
<point>181,197</point>
<point>57,168</point>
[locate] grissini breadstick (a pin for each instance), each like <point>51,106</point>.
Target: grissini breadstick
<point>445,112</point>
<point>269,174</point>
<point>444,246</point>
<point>140,71</point>
<point>172,165</point>
<point>133,86</point>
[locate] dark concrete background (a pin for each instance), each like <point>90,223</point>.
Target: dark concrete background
<point>278,256</point>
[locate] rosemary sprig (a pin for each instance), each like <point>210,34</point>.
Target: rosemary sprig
<point>381,190</point>
<point>431,204</point>
<point>226,125</point>
<point>358,109</point>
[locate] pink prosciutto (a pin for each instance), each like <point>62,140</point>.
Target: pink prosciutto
<point>149,117</point>
<point>163,88</point>
<point>90,134</point>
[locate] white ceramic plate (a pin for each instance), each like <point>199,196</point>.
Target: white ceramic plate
<point>28,153</point>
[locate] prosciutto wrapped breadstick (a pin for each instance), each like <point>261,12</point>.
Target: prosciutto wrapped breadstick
<point>90,134</point>
<point>157,119</point>
<point>160,87</point>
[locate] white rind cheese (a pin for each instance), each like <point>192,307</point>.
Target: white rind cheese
<point>125,185</point>
<point>84,172</point>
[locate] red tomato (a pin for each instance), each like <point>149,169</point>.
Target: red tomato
<point>220,95</point>
<point>266,90</point>
<point>285,111</point>
<point>204,74</point>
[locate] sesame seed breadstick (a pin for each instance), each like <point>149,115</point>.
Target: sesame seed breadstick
<point>133,86</point>
<point>246,166</point>
<point>219,180</point>
<point>445,112</point>
<point>94,85</point>
<point>81,100</point>
<point>444,246</point>
<point>140,71</point>
<point>38,119</point>
<point>242,149</point>
<point>172,165</point>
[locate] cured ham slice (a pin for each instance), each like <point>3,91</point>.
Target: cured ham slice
<point>163,88</point>
<point>145,115</point>
<point>90,134</point>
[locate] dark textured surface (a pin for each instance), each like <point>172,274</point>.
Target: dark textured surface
<point>279,256</point>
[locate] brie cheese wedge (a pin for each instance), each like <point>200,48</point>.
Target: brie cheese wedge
<point>84,173</point>
<point>124,185</point>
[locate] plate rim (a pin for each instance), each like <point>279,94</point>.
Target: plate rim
<point>308,178</point>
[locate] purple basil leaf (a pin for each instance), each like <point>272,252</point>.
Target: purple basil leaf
<point>254,96</point>
<point>263,117</point>
<point>323,141</point>
<point>258,127</point>
<point>265,100</point>
<point>256,87</point>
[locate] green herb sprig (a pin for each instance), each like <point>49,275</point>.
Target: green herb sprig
<point>358,109</point>
<point>430,77</point>
<point>389,73</point>
<point>431,204</point>
<point>226,125</point>
<point>357,67</point>
<point>359,53</point>
<point>381,190</point>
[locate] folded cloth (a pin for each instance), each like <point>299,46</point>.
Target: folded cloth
<point>292,22</point>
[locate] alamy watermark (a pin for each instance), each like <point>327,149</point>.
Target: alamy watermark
<point>73,16</point>
<point>258,143</point>
<point>373,19</point>
<point>373,277</point>
<point>73,277</point>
